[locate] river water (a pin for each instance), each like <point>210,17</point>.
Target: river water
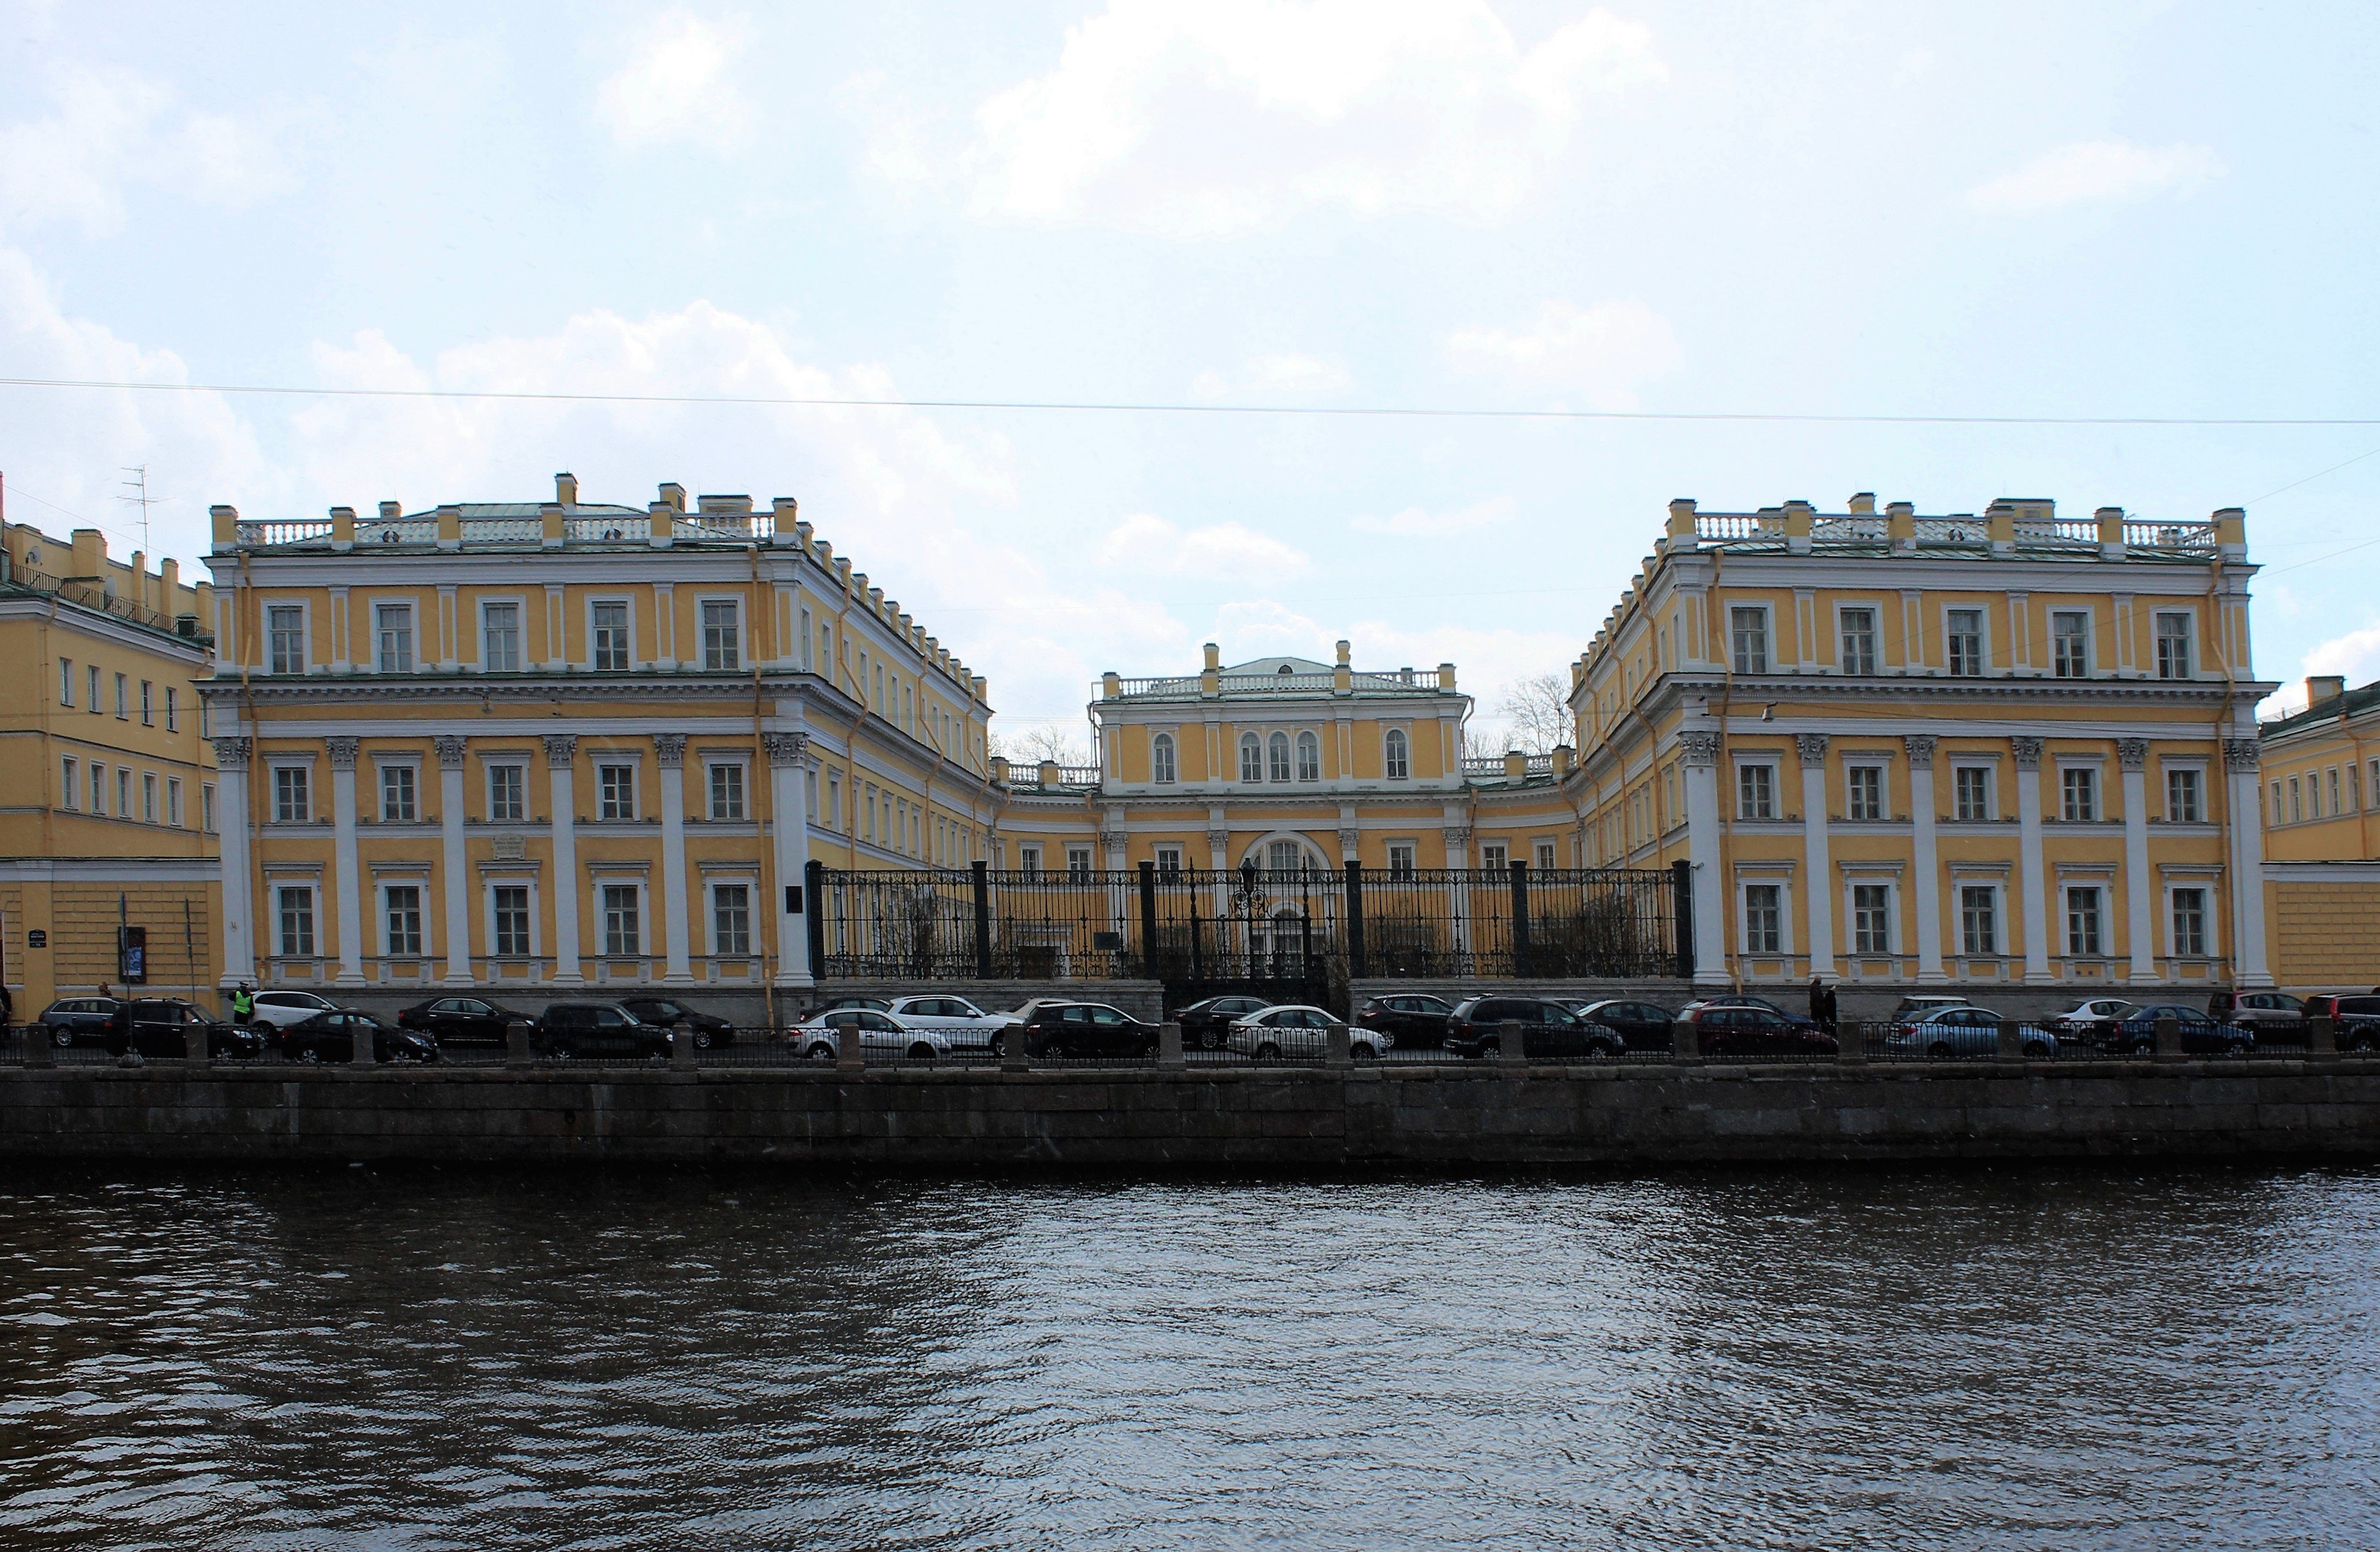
<point>449,1358</point>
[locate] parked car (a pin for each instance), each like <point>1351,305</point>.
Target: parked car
<point>1414,1019</point>
<point>1642,1027</point>
<point>1913,1008</point>
<point>331,1036</point>
<point>1300,1029</point>
<point>2270,1015</point>
<point>448,1019</point>
<point>1549,1032</point>
<point>568,1029</point>
<point>2088,1020</point>
<point>877,1004</point>
<point>1743,1000</point>
<point>2133,1032</point>
<point>2354,1020</point>
<point>279,1010</point>
<point>705,1029</point>
<point>1751,1027</point>
<point>76,1021</point>
<point>1960,1030</point>
<point>821,1038</point>
<point>956,1020</point>
<point>1061,1029</point>
<point>1206,1024</point>
<point>160,1026</point>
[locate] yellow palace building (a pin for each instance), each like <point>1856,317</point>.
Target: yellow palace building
<point>2322,827</point>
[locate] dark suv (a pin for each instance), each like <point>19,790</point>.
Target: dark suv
<point>706,1029</point>
<point>571,1029</point>
<point>1549,1030</point>
<point>160,1026</point>
<point>1417,1019</point>
<point>1206,1024</point>
<point>1060,1029</point>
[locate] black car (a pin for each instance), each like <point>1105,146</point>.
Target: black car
<point>331,1036</point>
<point>1549,1030</point>
<point>707,1029</point>
<point>448,1019</point>
<point>2133,1032</point>
<point>1060,1029</point>
<point>571,1029</point>
<point>1417,1019</point>
<point>1642,1027</point>
<point>1206,1024</point>
<point>160,1026</point>
<point>1744,999</point>
<point>77,1021</point>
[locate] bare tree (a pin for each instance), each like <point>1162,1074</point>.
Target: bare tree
<point>1035,742</point>
<point>1536,714</point>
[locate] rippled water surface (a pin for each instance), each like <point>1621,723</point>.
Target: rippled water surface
<point>458,1359</point>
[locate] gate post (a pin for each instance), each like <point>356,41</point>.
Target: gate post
<point>1148,966</point>
<point>983,872</point>
<point>1521,968</point>
<point>1357,965</point>
<point>814,880</point>
<point>1682,912</point>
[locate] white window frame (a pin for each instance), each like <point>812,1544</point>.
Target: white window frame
<point>751,884</point>
<point>148,798</point>
<point>1251,743</point>
<point>488,915</point>
<point>597,884</point>
<point>123,698</point>
<point>2100,897</point>
<point>1783,885</point>
<point>1410,862</point>
<point>381,768</point>
<point>1029,861</point>
<point>381,610</point>
<point>2090,639</point>
<point>99,787</point>
<point>91,689</point>
<point>305,609</point>
<point>1396,750</point>
<point>2197,768</point>
<point>1998,888</point>
<point>172,709</point>
<point>1991,790</point>
<point>419,884</point>
<point>1853,884</point>
<point>627,602</point>
<point>313,920</point>
<point>1983,621</point>
<point>609,760</point>
<point>2211,918</point>
<point>1856,768</point>
<point>1775,788</point>
<point>1544,854</point>
<point>206,808</point>
<point>2189,639</point>
<point>66,683</point>
<point>807,657</point>
<point>703,604</point>
<point>1304,740</point>
<point>1494,855</point>
<point>2097,789</point>
<point>1169,859</point>
<point>174,802</point>
<point>1874,611</point>
<point>712,765</point>
<point>148,703</point>
<point>1164,759</point>
<point>1280,757</point>
<point>273,768</point>
<point>1768,613</point>
<point>520,632</point>
<point>70,771</point>
<point>488,766</point>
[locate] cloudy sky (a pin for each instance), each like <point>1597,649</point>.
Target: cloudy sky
<point>1850,208</point>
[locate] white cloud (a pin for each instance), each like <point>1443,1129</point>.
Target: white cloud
<point>2355,655</point>
<point>2095,171</point>
<point>1210,121</point>
<point>1145,543</point>
<point>1288,374</point>
<point>110,129</point>
<point>676,85</point>
<point>1604,351</point>
<point>1414,522</point>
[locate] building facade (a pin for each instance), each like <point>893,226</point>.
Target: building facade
<point>567,744</point>
<point>2322,872</point>
<point>108,861</point>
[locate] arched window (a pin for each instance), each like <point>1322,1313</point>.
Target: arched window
<point>1399,767</point>
<point>1309,758</point>
<point>1280,757</point>
<point>1284,857</point>
<point>1251,757</point>
<point>1160,758</point>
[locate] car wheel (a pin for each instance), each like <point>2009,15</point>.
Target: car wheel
<point>1365,1053</point>
<point>2362,1043</point>
<point>309,1056</point>
<point>998,1044</point>
<point>2236,1048</point>
<point>2037,1051</point>
<point>702,1040</point>
<point>1214,1038</point>
<point>2141,1048</point>
<point>1600,1050</point>
<point>820,1052</point>
<point>560,1053</point>
<point>1939,1049</point>
<point>1267,1052</point>
<point>921,1051</point>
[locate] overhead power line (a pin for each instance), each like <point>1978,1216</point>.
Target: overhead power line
<point>1094,408</point>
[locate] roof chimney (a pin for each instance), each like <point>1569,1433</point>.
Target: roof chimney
<point>566,489</point>
<point>675,494</point>
<point>2323,686</point>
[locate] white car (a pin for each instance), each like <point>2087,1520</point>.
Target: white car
<point>957,1019</point>
<point>822,1038</point>
<point>1298,1029</point>
<point>282,1008</point>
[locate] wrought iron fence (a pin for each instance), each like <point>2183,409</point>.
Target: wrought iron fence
<point>1197,926</point>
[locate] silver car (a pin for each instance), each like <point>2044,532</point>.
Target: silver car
<point>957,1019</point>
<point>1296,1029</point>
<point>1961,1032</point>
<point>822,1038</point>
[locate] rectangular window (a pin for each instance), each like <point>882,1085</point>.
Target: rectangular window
<point>730,917</point>
<point>2277,801</point>
<point>2330,778</point>
<point>1494,857</point>
<point>91,689</point>
<point>122,699</point>
<point>65,683</point>
<point>148,798</point>
<point>1750,630</point>
<point>2079,791</point>
<point>808,661</point>
<point>2082,923</point>
<point>1168,861</point>
<point>1028,859</point>
<point>122,793</point>
<point>2313,795</point>
<point>392,624</point>
<point>396,794</point>
<point>1979,926</point>
<point>297,914</point>
<point>404,919</point>
<point>500,645</point>
<point>834,801</point>
<point>511,907</point>
<point>1859,640</point>
<point>292,803</point>
<point>507,794</point>
<point>1755,787</point>
<point>148,704</point>
<point>1160,758</point>
<point>727,792</point>
<point>1401,859</point>
<point>1078,862</point>
<point>71,770</point>
<point>1971,787</point>
<point>2297,801</point>
<point>1764,918</point>
<point>173,801</point>
<point>2189,923</point>
<point>98,788</point>
<point>172,710</point>
<point>616,791</point>
<point>207,807</point>
<point>285,634</point>
<point>1866,791</point>
<point>2173,647</point>
<point>2069,645</point>
<point>1545,851</point>
<point>2182,806</point>
<point>1871,918</point>
<point>1397,762</point>
<point>720,645</point>
<point>1963,639</point>
<point>611,628</point>
<point>622,933</point>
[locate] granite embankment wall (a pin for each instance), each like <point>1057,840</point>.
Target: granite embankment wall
<point>1145,1118</point>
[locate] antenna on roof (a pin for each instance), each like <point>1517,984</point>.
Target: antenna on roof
<point>139,486</point>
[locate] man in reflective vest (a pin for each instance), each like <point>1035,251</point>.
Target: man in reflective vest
<point>243,1004</point>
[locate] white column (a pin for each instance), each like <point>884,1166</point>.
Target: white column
<point>669,749</point>
<point>2029,858</point>
<point>238,887</point>
<point>790,832</point>
<point>2139,897</point>
<point>1219,860</point>
<point>343,842</point>
<point>2242,759</point>
<point>1458,890</point>
<point>561,751</point>
<point>457,923</point>
<point>1820,895</point>
<point>1701,751</point>
<point>1114,845</point>
<point>1925,885</point>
